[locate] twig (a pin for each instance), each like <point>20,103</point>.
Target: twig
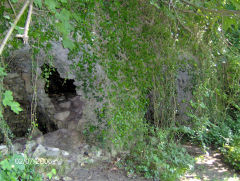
<point>14,25</point>
<point>26,29</point>
<point>222,12</point>
<point>170,4</point>
<point>9,2</point>
<point>185,27</point>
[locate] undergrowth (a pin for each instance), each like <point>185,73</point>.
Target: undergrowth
<point>141,46</point>
<point>158,157</point>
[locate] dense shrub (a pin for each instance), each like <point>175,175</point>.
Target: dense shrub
<point>159,158</point>
<point>139,45</point>
<point>13,168</point>
<point>232,153</point>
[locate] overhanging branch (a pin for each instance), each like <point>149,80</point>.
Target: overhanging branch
<point>221,12</point>
<point>26,28</point>
<point>13,26</point>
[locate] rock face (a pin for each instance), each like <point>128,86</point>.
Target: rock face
<point>184,95</point>
<point>58,91</point>
<point>178,107</point>
<point>20,123</point>
<point>85,162</point>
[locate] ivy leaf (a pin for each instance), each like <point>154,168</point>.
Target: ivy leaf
<point>15,107</point>
<point>18,28</point>
<point>67,43</point>
<point>2,72</point>
<point>202,105</point>
<point>65,28</point>
<point>64,15</point>
<point>54,171</point>
<point>154,3</point>
<point>62,29</point>
<point>49,175</point>
<point>52,5</point>
<point>7,98</point>
<point>38,3</point>
<point>8,101</point>
<point>6,17</point>
<point>68,27</point>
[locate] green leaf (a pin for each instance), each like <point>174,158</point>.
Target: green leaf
<point>154,3</point>
<point>67,43</point>
<point>61,28</point>
<point>51,5</point>
<point>5,165</point>
<point>6,17</point>
<point>2,72</point>
<point>38,3</point>
<point>202,105</point>
<point>64,15</point>
<point>15,107</point>
<point>8,101</point>
<point>49,175</point>
<point>7,98</point>
<point>54,171</point>
<point>14,1</point>
<point>19,29</point>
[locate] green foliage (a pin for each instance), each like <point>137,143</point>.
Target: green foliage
<point>14,168</point>
<point>159,158</point>
<point>232,153</point>
<point>14,1</point>
<point>38,3</point>
<point>46,73</point>
<point>8,101</point>
<point>139,45</point>
<point>52,173</point>
<point>7,98</point>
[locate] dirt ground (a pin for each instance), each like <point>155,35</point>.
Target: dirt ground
<point>209,166</point>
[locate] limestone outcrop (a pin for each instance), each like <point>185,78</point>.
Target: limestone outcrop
<point>53,86</point>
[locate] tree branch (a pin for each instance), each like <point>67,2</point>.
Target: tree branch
<point>222,12</point>
<point>13,25</point>
<point>26,28</point>
<point>178,19</point>
<point>9,2</point>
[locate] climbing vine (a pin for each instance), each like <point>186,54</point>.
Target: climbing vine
<point>141,46</point>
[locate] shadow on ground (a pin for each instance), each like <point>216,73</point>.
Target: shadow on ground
<point>209,166</point>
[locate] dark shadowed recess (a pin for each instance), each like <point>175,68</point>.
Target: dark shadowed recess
<point>57,88</point>
<point>56,85</point>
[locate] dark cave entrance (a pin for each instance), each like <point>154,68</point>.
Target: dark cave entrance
<point>55,85</point>
<point>58,89</point>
